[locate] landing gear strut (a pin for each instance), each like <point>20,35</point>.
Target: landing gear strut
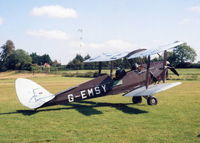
<point>137,99</point>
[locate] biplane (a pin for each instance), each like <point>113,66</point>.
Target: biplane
<point>142,80</point>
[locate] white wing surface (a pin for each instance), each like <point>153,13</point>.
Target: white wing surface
<point>107,57</point>
<point>156,50</point>
<point>152,89</point>
<point>101,58</point>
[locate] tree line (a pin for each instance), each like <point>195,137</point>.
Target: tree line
<point>18,59</point>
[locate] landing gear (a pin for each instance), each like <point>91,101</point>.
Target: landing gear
<point>137,99</point>
<point>151,100</point>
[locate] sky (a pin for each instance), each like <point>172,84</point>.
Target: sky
<point>64,28</point>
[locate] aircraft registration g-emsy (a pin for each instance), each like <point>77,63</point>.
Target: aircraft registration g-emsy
<point>140,81</point>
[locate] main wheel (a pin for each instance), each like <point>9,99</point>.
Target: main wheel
<point>137,99</point>
<point>151,100</point>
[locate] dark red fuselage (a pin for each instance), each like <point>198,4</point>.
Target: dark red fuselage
<point>105,85</point>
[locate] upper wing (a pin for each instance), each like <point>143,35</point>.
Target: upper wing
<point>156,50</point>
<point>111,57</point>
<point>153,89</point>
<point>132,54</point>
<point>107,57</point>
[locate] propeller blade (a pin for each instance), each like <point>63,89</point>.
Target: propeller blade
<point>174,71</point>
<point>153,78</point>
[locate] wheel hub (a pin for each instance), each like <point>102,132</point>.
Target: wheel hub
<point>153,101</point>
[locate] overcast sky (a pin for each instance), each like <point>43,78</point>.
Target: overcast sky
<point>63,28</point>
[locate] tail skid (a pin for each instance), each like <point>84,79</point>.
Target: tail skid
<point>31,94</point>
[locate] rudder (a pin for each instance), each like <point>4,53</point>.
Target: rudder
<point>31,94</point>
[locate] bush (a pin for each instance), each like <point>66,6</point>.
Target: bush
<point>196,65</point>
<point>184,65</point>
<point>188,65</point>
<point>77,74</point>
<point>35,68</point>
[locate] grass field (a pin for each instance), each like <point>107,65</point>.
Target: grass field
<point>108,119</point>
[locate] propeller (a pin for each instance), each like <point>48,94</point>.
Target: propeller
<point>165,71</point>
<point>172,69</point>
<point>166,66</point>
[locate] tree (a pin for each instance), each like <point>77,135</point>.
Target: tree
<point>79,58</point>
<point>19,60</point>
<point>181,55</point>
<point>46,59</point>
<point>76,63</point>
<point>55,63</point>
<point>35,58</point>
<point>40,60</point>
<point>7,49</point>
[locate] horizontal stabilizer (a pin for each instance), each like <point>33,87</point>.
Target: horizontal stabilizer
<point>152,89</point>
<point>30,94</point>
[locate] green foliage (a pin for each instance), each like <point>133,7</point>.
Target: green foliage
<point>181,55</point>
<point>19,60</point>
<point>40,60</point>
<point>36,68</point>
<point>11,59</point>
<point>76,63</point>
<point>6,50</point>
<point>35,58</point>
<point>46,69</point>
<point>46,59</point>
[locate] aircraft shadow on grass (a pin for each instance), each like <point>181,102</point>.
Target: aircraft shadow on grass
<point>86,110</point>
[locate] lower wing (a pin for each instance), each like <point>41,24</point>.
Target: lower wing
<point>152,89</point>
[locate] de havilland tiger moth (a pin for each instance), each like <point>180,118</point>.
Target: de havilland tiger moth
<point>140,81</point>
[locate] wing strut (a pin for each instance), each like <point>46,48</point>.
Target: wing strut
<point>100,65</point>
<point>111,68</point>
<point>147,75</point>
<point>164,66</point>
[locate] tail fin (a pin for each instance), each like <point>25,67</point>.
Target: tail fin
<point>30,94</point>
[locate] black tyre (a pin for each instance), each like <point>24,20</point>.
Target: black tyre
<point>137,99</point>
<point>151,100</point>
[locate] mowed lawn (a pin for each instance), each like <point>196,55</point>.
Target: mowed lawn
<point>110,119</point>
